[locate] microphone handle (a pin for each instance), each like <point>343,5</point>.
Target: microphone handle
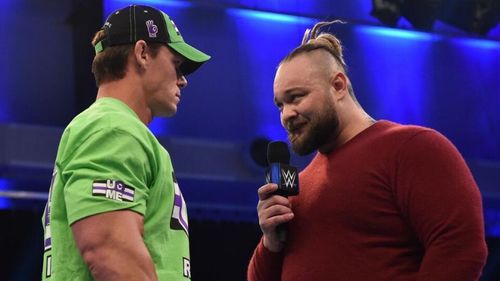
<point>282,232</point>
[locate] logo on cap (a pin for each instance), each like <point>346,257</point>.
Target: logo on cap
<point>152,28</point>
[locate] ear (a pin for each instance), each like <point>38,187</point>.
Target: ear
<point>141,54</point>
<point>339,84</point>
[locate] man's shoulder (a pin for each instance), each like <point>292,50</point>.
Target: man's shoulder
<point>393,136</point>
<point>397,130</point>
<point>104,118</point>
<point>411,136</point>
<point>97,124</point>
<point>108,113</point>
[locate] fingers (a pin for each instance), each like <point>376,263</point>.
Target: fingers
<point>268,198</point>
<point>270,218</point>
<point>272,209</point>
<point>267,190</point>
<point>273,200</point>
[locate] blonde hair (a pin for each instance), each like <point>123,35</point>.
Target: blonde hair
<point>315,40</point>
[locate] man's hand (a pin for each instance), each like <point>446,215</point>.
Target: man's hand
<point>273,210</point>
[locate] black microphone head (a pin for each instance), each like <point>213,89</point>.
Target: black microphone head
<point>277,152</point>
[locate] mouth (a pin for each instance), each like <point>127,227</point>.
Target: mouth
<point>295,129</point>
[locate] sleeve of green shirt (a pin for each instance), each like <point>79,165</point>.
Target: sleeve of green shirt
<point>109,171</point>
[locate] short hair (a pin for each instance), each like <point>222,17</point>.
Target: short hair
<point>111,64</point>
<point>315,40</point>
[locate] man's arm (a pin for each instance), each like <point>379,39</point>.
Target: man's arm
<point>273,210</point>
<point>438,196</point>
<point>112,246</point>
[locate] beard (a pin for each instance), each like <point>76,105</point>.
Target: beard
<point>316,133</point>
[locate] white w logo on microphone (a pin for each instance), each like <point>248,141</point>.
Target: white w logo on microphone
<point>289,177</point>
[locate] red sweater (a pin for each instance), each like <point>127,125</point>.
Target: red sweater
<point>394,203</point>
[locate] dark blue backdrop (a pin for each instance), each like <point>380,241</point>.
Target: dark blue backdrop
<point>447,80</point>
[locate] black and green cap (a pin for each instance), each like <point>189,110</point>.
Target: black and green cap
<point>136,22</point>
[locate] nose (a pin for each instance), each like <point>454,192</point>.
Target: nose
<point>182,82</point>
<point>288,113</point>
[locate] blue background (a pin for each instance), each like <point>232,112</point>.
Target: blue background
<point>446,79</point>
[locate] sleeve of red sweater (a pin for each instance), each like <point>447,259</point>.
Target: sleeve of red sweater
<point>264,265</point>
<point>439,197</point>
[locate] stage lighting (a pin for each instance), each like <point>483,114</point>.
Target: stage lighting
<point>487,16</point>
<point>421,13</point>
<point>387,11</point>
<point>477,16</point>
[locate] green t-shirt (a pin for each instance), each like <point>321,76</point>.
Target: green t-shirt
<point>109,160</point>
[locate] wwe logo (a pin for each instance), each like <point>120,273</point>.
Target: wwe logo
<point>289,177</point>
<point>152,28</point>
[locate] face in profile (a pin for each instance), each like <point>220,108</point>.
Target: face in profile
<point>164,82</point>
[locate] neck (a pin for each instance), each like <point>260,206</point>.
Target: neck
<point>130,93</point>
<point>349,126</point>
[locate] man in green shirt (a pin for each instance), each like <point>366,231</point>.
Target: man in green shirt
<point>115,210</point>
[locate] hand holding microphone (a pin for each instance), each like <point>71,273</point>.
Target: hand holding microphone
<point>274,208</point>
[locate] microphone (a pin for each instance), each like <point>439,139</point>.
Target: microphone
<point>282,174</point>
<point>279,171</point>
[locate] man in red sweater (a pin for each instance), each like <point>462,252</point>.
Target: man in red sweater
<point>379,201</point>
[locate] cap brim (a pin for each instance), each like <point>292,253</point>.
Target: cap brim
<point>194,58</point>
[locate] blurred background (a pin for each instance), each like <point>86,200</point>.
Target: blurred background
<point>434,63</point>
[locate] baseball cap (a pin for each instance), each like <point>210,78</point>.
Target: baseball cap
<point>137,22</point>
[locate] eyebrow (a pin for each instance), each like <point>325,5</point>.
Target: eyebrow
<point>294,90</point>
<point>289,92</point>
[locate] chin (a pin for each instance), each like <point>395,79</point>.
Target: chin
<point>303,144</point>
<point>166,112</point>
<point>297,144</point>
<point>171,113</point>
